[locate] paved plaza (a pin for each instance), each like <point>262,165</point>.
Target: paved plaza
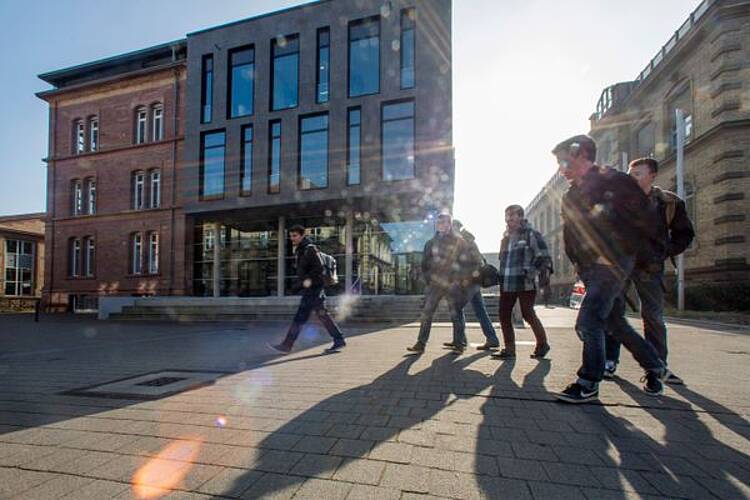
<point>369,422</point>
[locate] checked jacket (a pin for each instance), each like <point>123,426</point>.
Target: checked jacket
<point>523,254</point>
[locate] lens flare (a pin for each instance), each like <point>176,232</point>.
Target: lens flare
<point>166,470</point>
<point>221,421</point>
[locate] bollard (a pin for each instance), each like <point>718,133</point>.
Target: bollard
<point>36,310</point>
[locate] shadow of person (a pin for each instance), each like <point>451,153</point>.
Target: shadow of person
<point>686,456</point>
<point>727,417</point>
<point>329,438</point>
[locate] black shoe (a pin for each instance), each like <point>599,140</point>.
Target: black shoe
<point>280,348</point>
<point>610,367</point>
<point>576,393</point>
<point>449,345</point>
<point>459,349</point>
<point>336,347</point>
<point>540,352</point>
<point>487,346</point>
<point>504,354</point>
<point>653,382</point>
<point>673,379</point>
<point>418,347</point>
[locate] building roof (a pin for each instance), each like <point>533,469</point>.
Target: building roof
<point>19,217</point>
<point>149,57</point>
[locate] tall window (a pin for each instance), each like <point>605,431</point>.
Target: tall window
<point>398,141</point>
<point>407,48</point>
<point>313,152</point>
<point>681,101</point>
<point>141,117</point>
<point>19,267</point>
<point>91,194</point>
<point>74,254</point>
<point>645,140</point>
<point>353,146</point>
<point>139,186</point>
<point>364,57</point>
<point>153,253</point>
<point>77,196</point>
<point>207,88</point>
<point>155,189</point>
<point>93,133</point>
<point>79,137</point>
<point>284,72</point>
<point>89,249</point>
<point>274,157</point>
<point>157,122</point>
<point>324,65</point>
<point>241,78</point>
<point>246,168</point>
<point>212,165</point>
<point>136,253</point>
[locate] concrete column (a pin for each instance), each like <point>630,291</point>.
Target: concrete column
<point>280,260</point>
<point>349,260</point>
<point>217,259</point>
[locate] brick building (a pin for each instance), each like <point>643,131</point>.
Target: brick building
<point>333,114</point>
<point>703,69</point>
<point>21,257</point>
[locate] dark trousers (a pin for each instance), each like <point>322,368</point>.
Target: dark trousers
<point>603,310</point>
<point>650,292</point>
<point>312,300</point>
<point>457,297</point>
<point>507,301</point>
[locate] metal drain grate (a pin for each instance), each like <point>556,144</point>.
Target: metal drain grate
<point>161,381</point>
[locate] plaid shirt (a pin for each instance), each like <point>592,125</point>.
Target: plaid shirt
<point>522,255</point>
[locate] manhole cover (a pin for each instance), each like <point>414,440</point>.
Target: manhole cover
<point>150,385</point>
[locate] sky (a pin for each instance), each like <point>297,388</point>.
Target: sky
<point>527,74</point>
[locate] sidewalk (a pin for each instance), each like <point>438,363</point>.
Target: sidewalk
<point>368,422</point>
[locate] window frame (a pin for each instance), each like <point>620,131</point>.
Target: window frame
<point>79,136</point>
<point>274,57</point>
<point>89,257</point>
<point>18,282</point>
<point>349,145</point>
<point>376,19</point>
<point>139,180</point>
<point>157,122</point>
<point>271,138</point>
<point>76,189</point>
<point>136,254</point>
<point>74,257</point>
<point>202,165</point>
<point>154,178</point>
<point>230,81</point>
<point>91,195</point>
<point>93,124</point>
<point>300,134</point>
<point>383,105</point>
<point>409,13</point>
<point>246,173</point>
<point>152,253</point>
<point>207,88</point>
<point>141,118</point>
<point>318,69</point>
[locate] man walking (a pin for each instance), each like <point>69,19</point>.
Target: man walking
<point>477,301</point>
<point>448,268</point>
<point>523,258</point>
<point>606,217</point>
<point>311,285</point>
<point>674,234</point>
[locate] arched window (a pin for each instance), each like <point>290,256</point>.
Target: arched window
<point>138,186</point>
<point>157,122</point>
<point>141,117</point>
<point>93,133</point>
<point>79,137</point>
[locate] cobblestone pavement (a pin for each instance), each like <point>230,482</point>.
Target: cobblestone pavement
<point>369,422</point>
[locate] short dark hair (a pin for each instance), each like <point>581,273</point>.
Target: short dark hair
<point>297,228</point>
<point>653,165</point>
<point>516,209</point>
<point>584,143</point>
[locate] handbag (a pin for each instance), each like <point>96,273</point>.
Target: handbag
<point>488,276</point>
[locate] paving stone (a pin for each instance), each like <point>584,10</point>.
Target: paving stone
<point>97,490</point>
<point>550,491</point>
<point>278,461</point>
<point>379,434</point>
<point>230,482</point>
<point>365,492</point>
<point>453,485</point>
<point>15,481</point>
<point>352,448</point>
<point>676,486</point>
<point>314,444</point>
<point>121,468</point>
<point>315,489</point>
<point>346,431</point>
<point>392,452</point>
<point>57,487</point>
<point>320,466</point>
<point>578,475</point>
<point>531,451</point>
<point>623,480</point>
<point>273,486</point>
<point>521,469</point>
<point>408,478</point>
<point>573,455</point>
<point>360,471</point>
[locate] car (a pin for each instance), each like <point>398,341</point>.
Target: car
<point>576,296</point>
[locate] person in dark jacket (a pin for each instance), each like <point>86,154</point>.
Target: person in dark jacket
<point>477,301</point>
<point>674,234</point>
<point>449,269</point>
<point>311,285</point>
<point>524,259</point>
<point>606,218</point>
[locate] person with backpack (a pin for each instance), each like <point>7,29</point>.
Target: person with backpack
<point>477,301</point>
<point>605,220</point>
<point>524,261</point>
<point>448,268</point>
<point>674,234</point>
<point>314,270</point>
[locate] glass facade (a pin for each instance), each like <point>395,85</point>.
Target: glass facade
<point>246,168</point>
<point>313,152</point>
<point>407,48</point>
<point>207,89</point>
<point>353,146</point>
<point>386,257</point>
<point>274,157</point>
<point>241,79</point>
<point>324,65</point>
<point>284,72</point>
<point>364,57</point>
<point>398,141</point>
<point>212,165</point>
<point>19,267</point>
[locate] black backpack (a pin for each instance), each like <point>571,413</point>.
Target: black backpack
<point>330,276</point>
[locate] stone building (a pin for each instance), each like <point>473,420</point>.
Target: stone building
<point>178,169</point>
<point>21,258</point>
<point>704,70</point>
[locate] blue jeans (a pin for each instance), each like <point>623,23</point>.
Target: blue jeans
<point>480,310</point>
<point>602,310</point>
<point>313,299</point>
<point>650,291</point>
<point>457,297</point>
